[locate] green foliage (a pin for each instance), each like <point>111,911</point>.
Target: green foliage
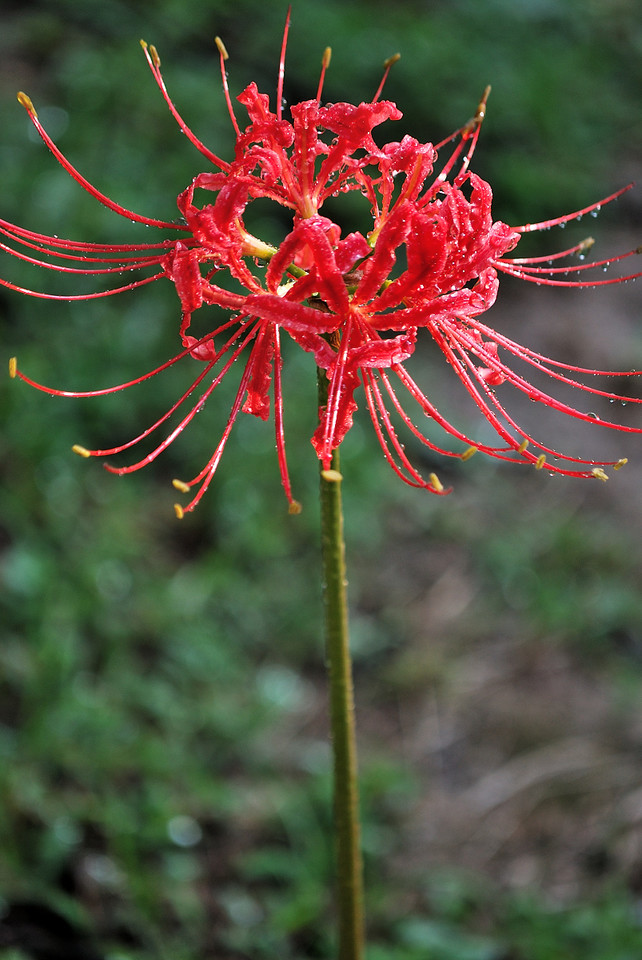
<point>570,580</point>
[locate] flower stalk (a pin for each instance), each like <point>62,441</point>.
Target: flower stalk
<point>349,870</point>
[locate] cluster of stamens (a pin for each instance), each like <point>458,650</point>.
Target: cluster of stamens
<point>344,299</point>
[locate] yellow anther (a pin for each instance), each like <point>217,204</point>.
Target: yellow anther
<point>220,46</point>
<point>327,56</point>
<point>295,508</point>
<point>435,482</point>
<point>599,474</point>
<point>13,367</point>
<point>541,460</point>
<point>178,510</point>
<point>468,453</point>
<point>620,463</point>
<point>586,244</point>
<point>480,113</point>
<point>332,476</point>
<point>389,62</point>
<point>27,104</point>
<point>81,451</point>
<point>523,445</point>
<point>180,485</point>
<point>152,51</point>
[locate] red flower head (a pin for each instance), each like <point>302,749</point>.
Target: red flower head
<point>429,257</point>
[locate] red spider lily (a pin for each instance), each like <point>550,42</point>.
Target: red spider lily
<point>430,258</point>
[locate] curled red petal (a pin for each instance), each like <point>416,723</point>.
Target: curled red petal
<point>182,267</point>
<point>385,353</point>
<point>291,316</point>
<point>257,400</point>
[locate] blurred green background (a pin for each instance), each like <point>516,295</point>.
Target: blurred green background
<point>164,778</point>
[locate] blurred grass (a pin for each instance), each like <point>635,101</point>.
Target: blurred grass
<point>163,755</point>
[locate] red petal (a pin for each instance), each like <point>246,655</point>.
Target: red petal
<point>258,395</point>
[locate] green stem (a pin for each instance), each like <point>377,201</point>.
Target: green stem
<point>346,790</point>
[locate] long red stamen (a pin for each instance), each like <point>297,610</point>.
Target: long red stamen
<point>151,55</point>
<point>169,439</point>
<point>279,84</point>
<point>325,63</point>
<point>539,461</point>
<point>471,132</point>
<point>430,411</point>
<point>439,181</point>
<point>467,344</point>
<point>80,296</point>
<point>335,392</point>
<point>71,170</point>
<point>76,394</point>
<point>135,265</point>
<point>414,429</point>
<point>580,248</point>
<point>567,217</point>
<point>22,235</point>
<point>223,56</point>
<point>541,279</point>
<point>458,361</point>
<point>540,362</point>
<point>386,70</point>
<point>379,414</point>
<point>524,269</point>
<point>141,436</point>
<point>295,507</point>
<point>206,475</point>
